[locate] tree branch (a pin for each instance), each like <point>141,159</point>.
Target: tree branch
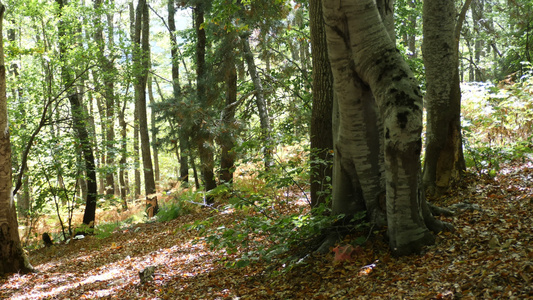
<point>43,122</point>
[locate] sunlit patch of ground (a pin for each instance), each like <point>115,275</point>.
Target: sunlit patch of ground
<point>111,266</point>
<point>489,256</point>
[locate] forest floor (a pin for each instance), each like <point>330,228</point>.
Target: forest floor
<point>488,256</point>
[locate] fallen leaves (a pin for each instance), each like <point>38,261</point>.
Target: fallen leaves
<point>344,253</point>
<point>365,270</point>
<point>489,256</point>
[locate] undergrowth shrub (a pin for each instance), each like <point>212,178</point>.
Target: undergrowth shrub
<point>172,210</point>
<point>180,204</point>
<point>497,123</point>
<point>105,230</point>
<point>267,235</point>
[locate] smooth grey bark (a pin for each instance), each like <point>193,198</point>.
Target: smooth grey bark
<point>321,131</point>
<point>12,258</point>
<point>444,160</point>
<point>260,101</point>
<point>358,137</point>
<point>122,147</point>
<point>97,150</point>
<point>368,70</point>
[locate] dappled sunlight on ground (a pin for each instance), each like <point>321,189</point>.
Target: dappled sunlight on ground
<point>487,257</point>
<point>110,266</point>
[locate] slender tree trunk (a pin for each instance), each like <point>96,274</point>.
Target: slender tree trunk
<point>322,112</point>
<point>195,173</point>
<point>101,165</point>
<point>184,131</point>
<point>153,130</point>
<point>477,20</point>
<point>411,40</point>
<point>227,137</point>
<point>79,121</point>
<point>136,150</point>
<point>444,161</point>
<point>260,101</point>
<point>79,116</point>
<point>136,155</point>
<point>204,139</point>
<point>23,200</point>
<point>123,170</point>
<point>123,150</point>
<point>141,67</point>
<point>12,258</point>
<point>109,71</point>
<point>173,129</point>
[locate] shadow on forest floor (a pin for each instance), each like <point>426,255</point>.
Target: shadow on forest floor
<point>490,255</point>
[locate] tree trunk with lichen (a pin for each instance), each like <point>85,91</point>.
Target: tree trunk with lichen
<point>379,125</point>
<point>444,160</point>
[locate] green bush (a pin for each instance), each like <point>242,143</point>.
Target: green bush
<point>267,234</point>
<point>497,123</point>
<point>172,210</point>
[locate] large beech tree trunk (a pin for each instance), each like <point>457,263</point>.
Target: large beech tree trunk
<point>378,139</point>
<point>12,258</point>
<point>444,160</point>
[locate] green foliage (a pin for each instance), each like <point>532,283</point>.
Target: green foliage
<point>263,230</point>
<point>266,233</point>
<point>104,230</point>
<point>84,229</point>
<point>172,210</point>
<point>185,203</point>
<point>497,124</point>
<point>415,63</point>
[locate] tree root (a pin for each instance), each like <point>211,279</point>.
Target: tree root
<point>440,211</point>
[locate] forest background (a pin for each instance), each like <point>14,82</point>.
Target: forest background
<point>155,110</point>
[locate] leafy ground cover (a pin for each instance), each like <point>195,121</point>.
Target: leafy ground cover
<point>489,256</point>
